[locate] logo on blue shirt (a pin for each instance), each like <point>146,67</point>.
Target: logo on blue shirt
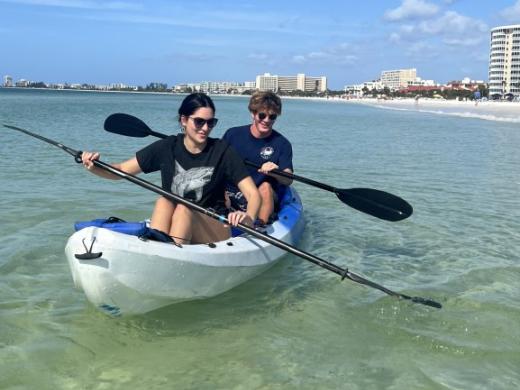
<point>266,152</point>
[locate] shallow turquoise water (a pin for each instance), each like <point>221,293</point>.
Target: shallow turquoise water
<point>296,326</point>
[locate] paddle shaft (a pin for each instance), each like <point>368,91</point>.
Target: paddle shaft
<point>292,176</point>
<point>344,273</point>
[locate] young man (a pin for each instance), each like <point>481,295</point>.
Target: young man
<point>260,144</point>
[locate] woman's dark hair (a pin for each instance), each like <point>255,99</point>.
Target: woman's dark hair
<point>193,102</point>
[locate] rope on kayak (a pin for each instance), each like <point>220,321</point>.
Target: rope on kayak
<point>160,236</point>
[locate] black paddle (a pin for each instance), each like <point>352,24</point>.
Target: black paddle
<point>344,273</point>
<point>377,203</point>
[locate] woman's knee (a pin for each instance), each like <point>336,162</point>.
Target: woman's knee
<point>164,205</point>
<point>183,211</point>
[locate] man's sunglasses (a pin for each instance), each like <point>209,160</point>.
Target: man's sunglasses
<point>263,115</point>
<point>200,122</point>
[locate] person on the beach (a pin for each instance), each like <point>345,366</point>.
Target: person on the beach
<point>260,144</point>
<point>195,167</point>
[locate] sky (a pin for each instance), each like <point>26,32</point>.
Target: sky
<point>173,42</point>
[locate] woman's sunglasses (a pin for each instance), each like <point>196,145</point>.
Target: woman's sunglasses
<point>200,122</point>
<point>263,115</point>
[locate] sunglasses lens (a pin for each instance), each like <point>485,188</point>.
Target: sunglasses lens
<point>212,122</point>
<point>263,115</point>
<point>199,122</point>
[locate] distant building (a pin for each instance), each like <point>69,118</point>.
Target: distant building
<point>300,82</point>
<point>22,83</point>
<point>267,82</point>
<point>504,60</point>
<point>423,83</point>
<point>359,89</point>
<point>397,79</point>
<point>8,81</point>
<point>250,85</point>
<point>222,87</point>
<point>213,87</point>
<point>466,84</point>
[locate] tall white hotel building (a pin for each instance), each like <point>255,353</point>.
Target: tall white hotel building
<point>504,60</point>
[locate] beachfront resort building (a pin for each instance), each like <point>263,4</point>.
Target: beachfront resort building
<point>8,81</point>
<point>504,61</point>
<point>397,79</point>
<point>300,82</point>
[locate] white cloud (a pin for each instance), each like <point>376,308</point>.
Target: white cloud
<point>453,23</point>
<point>422,49</point>
<point>455,30</point>
<point>405,31</point>
<point>512,13</point>
<point>299,59</point>
<point>411,9</point>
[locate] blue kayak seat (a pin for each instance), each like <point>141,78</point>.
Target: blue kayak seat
<point>115,224</point>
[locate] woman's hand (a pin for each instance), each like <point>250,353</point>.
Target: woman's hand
<point>88,159</point>
<point>267,167</point>
<point>237,217</point>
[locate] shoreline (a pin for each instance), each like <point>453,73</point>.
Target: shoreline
<point>498,111</point>
<point>504,111</point>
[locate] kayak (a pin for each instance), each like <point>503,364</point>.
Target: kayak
<point>122,274</point>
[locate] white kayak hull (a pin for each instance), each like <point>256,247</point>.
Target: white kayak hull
<point>133,276</point>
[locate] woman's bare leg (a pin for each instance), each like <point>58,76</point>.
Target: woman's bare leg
<point>207,229</point>
<point>162,215</point>
<point>186,226</point>
<point>182,224</point>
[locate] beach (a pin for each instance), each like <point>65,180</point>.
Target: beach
<point>487,110</point>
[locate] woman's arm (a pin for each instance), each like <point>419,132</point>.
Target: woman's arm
<point>130,166</point>
<point>248,188</point>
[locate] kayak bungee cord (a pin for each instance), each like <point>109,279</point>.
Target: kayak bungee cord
<point>343,272</point>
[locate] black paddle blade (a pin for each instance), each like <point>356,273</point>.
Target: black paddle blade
<point>427,302</point>
<point>128,125</point>
<point>380,204</point>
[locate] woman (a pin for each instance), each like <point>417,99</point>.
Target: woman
<point>195,167</point>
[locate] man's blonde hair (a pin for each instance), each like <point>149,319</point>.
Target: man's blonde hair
<point>265,100</point>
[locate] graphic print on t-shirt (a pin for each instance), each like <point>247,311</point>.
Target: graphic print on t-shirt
<point>266,152</point>
<point>191,180</point>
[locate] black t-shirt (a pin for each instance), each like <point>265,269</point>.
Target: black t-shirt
<point>199,177</point>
